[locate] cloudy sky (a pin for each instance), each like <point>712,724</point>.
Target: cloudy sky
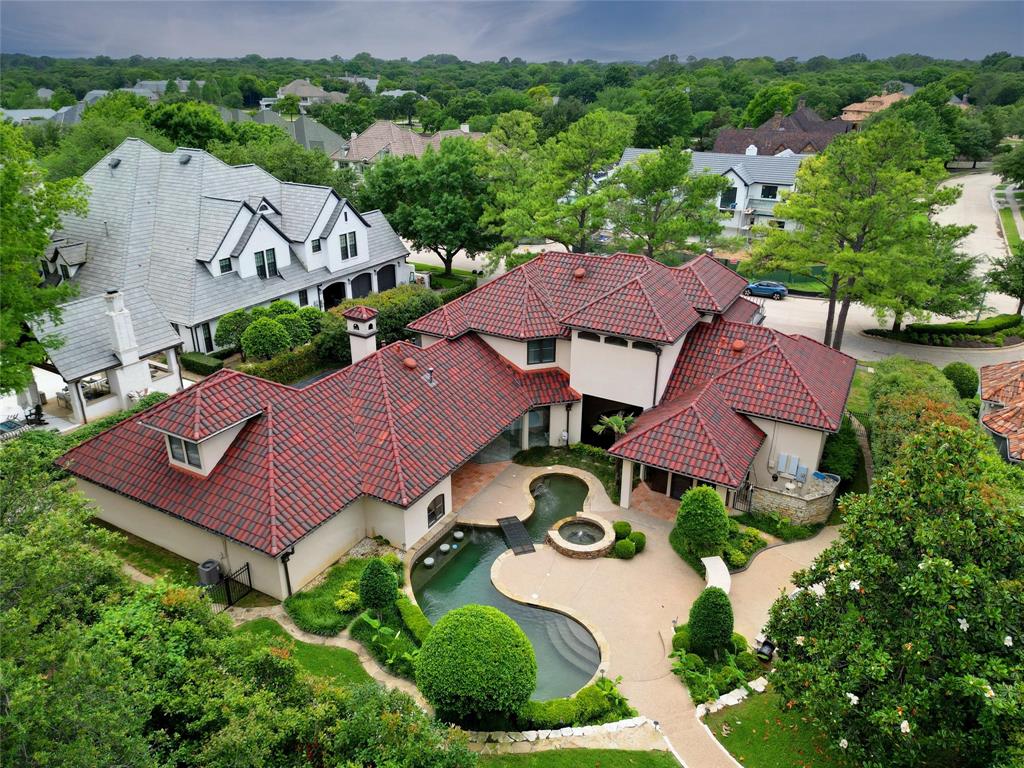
<point>536,31</point>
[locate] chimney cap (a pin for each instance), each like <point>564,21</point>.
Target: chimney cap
<point>579,273</point>
<point>410,363</point>
<point>739,345</point>
<point>360,312</point>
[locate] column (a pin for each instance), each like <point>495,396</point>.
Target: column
<point>668,485</point>
<point>373,281</point>
<point>524,436</point>
<point>348,287</point>
<point>626,487</point>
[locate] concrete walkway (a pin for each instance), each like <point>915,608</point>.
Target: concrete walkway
<point>632,605</point>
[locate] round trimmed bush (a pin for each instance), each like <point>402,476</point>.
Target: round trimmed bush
<point>297,329</point>
<point>734,558</point>
<point>701,521</point>
<point>681,638</point>
<point>711,623</point>
<point>264,338</point>
<point>377,585</point>
<point>476,663</point>
<point>639,539</point>
<point>624,550</point>
<point>739,643</point>
<point>748,664</point>
<point>312,317</point>
<point>963,377</point>
<point>694,663</point>
<point>622,529</point>
<point>282,307</point>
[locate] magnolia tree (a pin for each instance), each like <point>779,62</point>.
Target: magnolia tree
<point>913,652</point>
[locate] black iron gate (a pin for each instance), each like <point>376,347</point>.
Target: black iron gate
<point>232,588</point>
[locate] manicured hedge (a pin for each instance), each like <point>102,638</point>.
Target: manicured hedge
<point>590,706</point>
<point>968,327</point>
<point>397,308</point>
<point>414,619</point>
<point>639,539</point>
<point>622,529</point>
<point>842,452</point>
<point>288,367</point>
<point>964,378</point>
<point>199,363</point>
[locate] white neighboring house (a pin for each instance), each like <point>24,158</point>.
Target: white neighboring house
<point>308,94</point>
<point>202,238</point>
<point>118,347</point>
<point>158,87</point>
<point>758,182</point>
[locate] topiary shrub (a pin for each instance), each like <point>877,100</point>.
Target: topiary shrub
<point>554,713</point>
<point>348,597</point>
<point>476,663</point>
<point>711,623</point>
<point>265,338</point>
<point>297,329</point>
<point>257,312</point>
<point>414,619</point>
<point>230,328</point>
<point>312,317</point>
<point>963,377</point>
<point>681,638</point>
<point>624,550</point>
<point>282,307</point>
<point>639,539</point>
<point>377,586</point>
<point>734,558</point>
<point>622,529</point>
<point>701,521</point>
<point>739,643</point>
<point>199,363</point>
<point>748,664</point>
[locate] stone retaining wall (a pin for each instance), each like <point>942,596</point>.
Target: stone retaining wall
<point>797,510</point>
<point>637,733</point>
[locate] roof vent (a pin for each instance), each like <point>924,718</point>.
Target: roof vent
<point>739,345</point>
<point>409,363</point>
<point>184,159</point>
<point>579,273</point>
<point>114,162</point>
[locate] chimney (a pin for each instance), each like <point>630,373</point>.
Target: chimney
<point>352,136</point>
<point>464,127</point>
<point>362,331</point>
<point>801,104</point>
<point>751,150</point>
<point>122,332</point>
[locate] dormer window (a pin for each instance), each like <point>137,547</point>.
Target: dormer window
<point>266,264</point>
<point>316,245</point>
<point>64,272</point>
<point>225,265</point>
<point>348,245</point>
<point>184,451</point>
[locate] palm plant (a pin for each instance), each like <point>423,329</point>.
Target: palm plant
<point>619,424</point>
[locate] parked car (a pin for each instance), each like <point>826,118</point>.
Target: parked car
<point>766,288</point>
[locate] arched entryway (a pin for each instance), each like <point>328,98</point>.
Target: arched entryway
<point>362,285</point>
<point>386,277</point>
<point>334,294</point>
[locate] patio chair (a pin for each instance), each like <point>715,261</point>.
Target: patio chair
<point>34,416</point>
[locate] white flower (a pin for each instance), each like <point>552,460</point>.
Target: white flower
<point>855,585</point>
<point>843,565</point>
<point>1008,641</point>
<point>963,624</point>
<point>989,693</point>
<point>799,639</point>
<point>843,743</point>
<point>904,727</point>
<point>920,566</point>
<point>854,698</point>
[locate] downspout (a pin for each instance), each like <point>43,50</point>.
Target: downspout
<point>657,370</point>
<point>285,557</point>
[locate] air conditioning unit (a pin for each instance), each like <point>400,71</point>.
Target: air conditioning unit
<point>209,573</point>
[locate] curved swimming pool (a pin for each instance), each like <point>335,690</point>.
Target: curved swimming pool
<point>567,655</point>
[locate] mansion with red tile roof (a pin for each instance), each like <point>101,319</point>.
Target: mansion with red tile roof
<point>240,469</point>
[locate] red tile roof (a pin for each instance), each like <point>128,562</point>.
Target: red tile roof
<point>360,312</point>
<point>221,401</point>
<point>777,376</point>
<point>741,311</point>
<point>623,294</point>
<point>1004,383</point>
<point>375,428</point>
<point>697,434</point>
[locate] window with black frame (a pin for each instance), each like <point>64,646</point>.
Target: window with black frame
<point>435,510</point>
<point>540,351</point>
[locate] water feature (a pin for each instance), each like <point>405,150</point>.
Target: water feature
<point>581,532</point>
<point>567,655</point>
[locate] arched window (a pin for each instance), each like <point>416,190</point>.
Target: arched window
<point>616,341</point>
<point>435,510</point>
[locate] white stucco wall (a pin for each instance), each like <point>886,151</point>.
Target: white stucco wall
<point>617,373</point>
<point>326,544</point>
<point>404,528</point>
<point>331,249</point>
<point>669,356</point>
<point>786,438</point>
<point>263,236</point>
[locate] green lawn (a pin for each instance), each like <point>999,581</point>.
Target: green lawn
<point>761,735</point>
<point>158,562</point>
<point>582,758</point>
<point>1009,227</point>
<point>858,403</point>
<point>337,664</point>
<point>421,267</point>
<point>313,610</point>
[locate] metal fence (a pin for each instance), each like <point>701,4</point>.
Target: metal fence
<point>231,588</point>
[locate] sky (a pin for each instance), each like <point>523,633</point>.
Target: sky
<point>535,31</point>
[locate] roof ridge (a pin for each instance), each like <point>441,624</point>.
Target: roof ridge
<point>391,427</point>
<point>696,390</point>
<point>650,301</point>
<point>272,479</point>
<point>197,401</point>
<point>709,434</point>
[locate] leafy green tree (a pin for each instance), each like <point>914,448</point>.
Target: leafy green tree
<point>701,521</point>
<point>312,317</point>
<point>287,105</point>
<point>1010,165</point>
<point>62,97</point>
<point>344,119</point>
<point>710,623</point>
<point>660,206</point>
<point>230,328</point>
<point>863,204</point>
<point>187,123</point>
<point>406,105</point>
<point>908,652</point>
<point>296,327</point>
<point>194,91</point>
<point>431,116</point>
<point>465,105</point>
<point>778,97</point>
<point>264,338</point>
<point>30,209</point>
<point>211,92</point>
<point>975,139</point>
<point>668,116</point>
<point>436,200</point>
<point>1007,274</point>
<point>285,159</point>
<point>561,198</point>
<point>172,92</point>
<point>378,586</point>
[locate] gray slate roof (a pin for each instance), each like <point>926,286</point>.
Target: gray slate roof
<point>26,115</point>
<point>87,347</point>
<point>753,169</point>
<point>304,130</point>
<point>71,115</point>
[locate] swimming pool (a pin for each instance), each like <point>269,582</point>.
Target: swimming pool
<point>567,654</point>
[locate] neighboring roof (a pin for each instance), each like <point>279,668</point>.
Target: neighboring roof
<point>44,93</point>
<point>159,86</point>
<point>87,346</point>
<point>623,294</point>
<point>753,169</point>
<point>398,92</point>
<point>152,221</point>
<point>1003,383</point>
<point>775,375</point>
<point>695,434</point>
<point>375,428</point>
<point>69,115</point>
<point>369,82</point>
<point>742,311</point>
<point>384,137</point>
<point>26,115</point>
<point>306,90</point>
<point>863,109</point>
<point>360,312</point>
<point>802,130</point>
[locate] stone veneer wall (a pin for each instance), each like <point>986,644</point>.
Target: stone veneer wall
<point>798,511</point>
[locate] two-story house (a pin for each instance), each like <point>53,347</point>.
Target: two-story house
<point>758,182</point>
<point>242,470</point>
<point>200,238</point>
<point>307,93</point>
